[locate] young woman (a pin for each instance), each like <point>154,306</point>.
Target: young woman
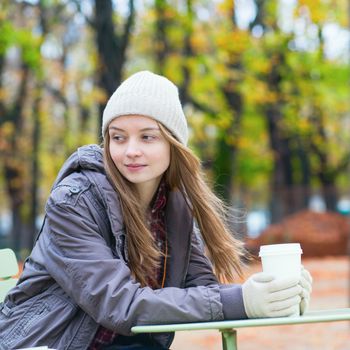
<point>133,235</point>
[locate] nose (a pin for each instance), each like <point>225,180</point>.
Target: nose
<point>133,149</point>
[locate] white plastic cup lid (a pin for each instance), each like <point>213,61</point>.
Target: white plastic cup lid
<point>278,249</point>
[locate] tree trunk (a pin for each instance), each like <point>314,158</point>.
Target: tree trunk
<point>13,164</point>
<point>326,173</point>
<point>282,182</point>
<point>304,190</point>
<point>111,47</point>
<point>281,202</point>
<point>35,169</point>
<point>225,163</point>
<point>162,46</point>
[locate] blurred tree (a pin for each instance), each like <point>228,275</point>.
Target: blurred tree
<point>36,134</point>
<point>112,43</point>
<point>264,101</point>
<point>32,88</point>
<point>275,48</point>
<point>295,86</point>
<point>327,102</point>
<point>13,123</point>
<point>233,42</point>
<point>161,37</point>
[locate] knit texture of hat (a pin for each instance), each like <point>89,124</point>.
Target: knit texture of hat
<point>151,95</point>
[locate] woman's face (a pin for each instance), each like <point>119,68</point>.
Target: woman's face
<point>139,150</point>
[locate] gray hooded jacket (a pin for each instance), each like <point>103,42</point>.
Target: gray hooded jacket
<point>77,276</point>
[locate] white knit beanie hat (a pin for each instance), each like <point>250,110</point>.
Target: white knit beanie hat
<point>151,95</point>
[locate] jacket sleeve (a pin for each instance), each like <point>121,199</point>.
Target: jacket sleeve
<point>200,272</point>
<point>82,263</point>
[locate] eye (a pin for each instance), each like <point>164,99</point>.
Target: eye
<point>118,138</point>
<point>148,137</point>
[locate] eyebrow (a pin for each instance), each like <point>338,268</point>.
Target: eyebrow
<point>144,129</point>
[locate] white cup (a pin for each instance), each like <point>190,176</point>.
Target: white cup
<point>282,260</point>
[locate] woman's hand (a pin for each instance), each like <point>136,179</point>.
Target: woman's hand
<point>306,284</point>
<point>267,296</point>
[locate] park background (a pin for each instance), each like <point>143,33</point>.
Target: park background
<point>264,85</point>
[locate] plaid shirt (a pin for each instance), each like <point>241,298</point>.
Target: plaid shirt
<point>105,336</point>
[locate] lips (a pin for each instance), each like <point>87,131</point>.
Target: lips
<point>134,167</point>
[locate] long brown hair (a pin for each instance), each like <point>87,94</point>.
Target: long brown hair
<point>184,174</point>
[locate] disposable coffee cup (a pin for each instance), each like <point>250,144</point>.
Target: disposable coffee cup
<point>282,261</point>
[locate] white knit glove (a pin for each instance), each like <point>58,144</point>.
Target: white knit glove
<point>306,284</point>
<point>267,296</point>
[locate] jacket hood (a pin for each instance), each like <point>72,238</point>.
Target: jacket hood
<point>89,157</point>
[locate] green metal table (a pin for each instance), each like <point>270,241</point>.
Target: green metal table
<point>228,328</point>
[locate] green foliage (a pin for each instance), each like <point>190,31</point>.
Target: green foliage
<point>7,36</point>
<point>254,159</point>
<point>30,47</point>
<point>11,36</point>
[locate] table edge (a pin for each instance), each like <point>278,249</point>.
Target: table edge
<point>314,316</point>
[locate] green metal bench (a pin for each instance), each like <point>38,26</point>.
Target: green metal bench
<point>8,269</point>
<point>228,328</point>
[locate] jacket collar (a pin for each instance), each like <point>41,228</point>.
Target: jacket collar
<point>89,157</point>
